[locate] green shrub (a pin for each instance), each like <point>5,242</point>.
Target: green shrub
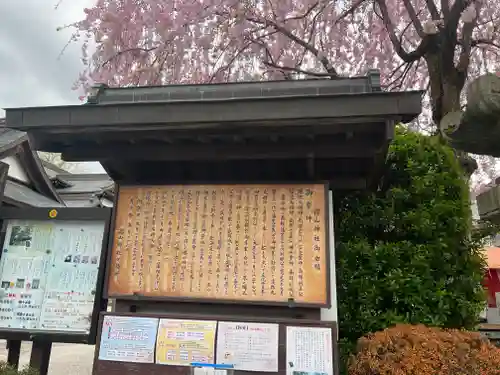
<point>5,369</point>
<point>405,253</point>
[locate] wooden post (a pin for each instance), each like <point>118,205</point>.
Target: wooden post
<point>14,353</point>
<point>13,346</point>
<point>40,356</point>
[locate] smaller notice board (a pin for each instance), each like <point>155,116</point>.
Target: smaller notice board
<point>162,343</point>
<point>51,272</point>
<point>260,243</point>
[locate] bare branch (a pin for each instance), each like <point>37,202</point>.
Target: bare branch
<point>478,42</point>
<point>433,9</point>
<point>350,11</point>
<point>119,53</point>
<point>398,81</point>
<point>396,43</point>
<point>467,29</point>
<point>311,34</point>
<point>306,13</point>
<point>298,70</point>
<point>445,7</point>
<point>463,61</point>
<point>309,47</point>
<point>233,58</point>
<point>414,18</point>
<point>269,2</point>
<point>393,73</point>
<point>451,22</point>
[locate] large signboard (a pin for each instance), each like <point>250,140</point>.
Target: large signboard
<point>246,243</point>
<point>49,273</point>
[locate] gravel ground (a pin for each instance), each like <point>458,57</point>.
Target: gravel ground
<point>66,359</point>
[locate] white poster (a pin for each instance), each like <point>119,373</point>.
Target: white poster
<point>48,274</point>
<point>248,346</point>
<point>309,351</point>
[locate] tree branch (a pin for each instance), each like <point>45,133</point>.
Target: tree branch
<point>451,21</point>
<point>306,13</point>
<point>135,49</point>
<point>311,34</point>
<point>396,43</point>
<point>414,18</point>
<point>468,27</point>
<point>463,60</point>
<point>298,70</point>
<point>445,7</point>
<point>478,42</point>
<point>350,11</point>
<point>433,9</point>
<point>309,47</point>
<point>233,58</point>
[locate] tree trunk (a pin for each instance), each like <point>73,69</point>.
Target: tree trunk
<point>446,85</point>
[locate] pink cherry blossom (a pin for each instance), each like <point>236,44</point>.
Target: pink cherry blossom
<point>152,42</point>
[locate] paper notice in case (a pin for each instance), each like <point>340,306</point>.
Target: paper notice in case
<point>48,274</point>
<point>309,351</point>
<point>128,339</point>
<point>248,346</point>
<point>182,342</point>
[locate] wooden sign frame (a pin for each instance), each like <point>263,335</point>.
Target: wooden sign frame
<point>102,367</point>
<point>289,303</point>
<point>100,304</point>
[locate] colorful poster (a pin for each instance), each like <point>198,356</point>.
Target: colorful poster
<point>309,351</point>
<point>182,342</point>
<point>128,339</point>
<point>248,346</point>
<point>48,274</point>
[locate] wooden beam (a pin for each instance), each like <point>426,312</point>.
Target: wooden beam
<point>57,142</point>
<point>336,183</point>
<point>204,152</point>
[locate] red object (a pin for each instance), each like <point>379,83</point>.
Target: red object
<point>492,278</point>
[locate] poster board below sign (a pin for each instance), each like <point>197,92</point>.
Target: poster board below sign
<point>309,351</point>
<point>50,275</point>
<point>240,243</point>
<point>248,346</point>
<point>128,339</point>
<point>183,342</point>
<point>323,361</point>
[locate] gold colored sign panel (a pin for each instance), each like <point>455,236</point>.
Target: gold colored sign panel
<point>260,243</point>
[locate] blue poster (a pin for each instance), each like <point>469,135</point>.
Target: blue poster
<point>128,339</point>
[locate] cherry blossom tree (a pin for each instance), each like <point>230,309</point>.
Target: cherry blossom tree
<point>417,44</point>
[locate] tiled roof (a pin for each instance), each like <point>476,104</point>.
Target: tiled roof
<point>23,194</point>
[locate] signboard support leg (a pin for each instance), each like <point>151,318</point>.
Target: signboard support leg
<point>14,353</point>
<point>40,356</point>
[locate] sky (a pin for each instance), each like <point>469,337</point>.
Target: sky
<point>32,72</point>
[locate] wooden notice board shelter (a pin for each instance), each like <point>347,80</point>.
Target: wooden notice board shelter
<point>241,159</point>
